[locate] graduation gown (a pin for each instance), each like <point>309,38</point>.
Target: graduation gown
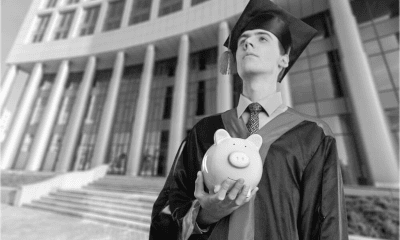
<point>300,193</point>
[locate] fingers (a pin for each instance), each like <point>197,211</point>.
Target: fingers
<point>242,196</point>
<point>233,193</point>
<point>226,185</point>
<point>255,190</point>
<point>198,186</point>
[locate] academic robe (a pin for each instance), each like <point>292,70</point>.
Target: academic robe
<point>300,193</point>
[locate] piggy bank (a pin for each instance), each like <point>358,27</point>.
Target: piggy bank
<point>232,158</point>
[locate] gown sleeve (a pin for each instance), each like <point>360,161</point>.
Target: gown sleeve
<point>183,204</point>
<point>322,210</point>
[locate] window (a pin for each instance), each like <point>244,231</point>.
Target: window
<point>114,15</point>
<point>169,6</point>
<point>201,98</point>
<point>89,23</point>
<point>72,2</point>
<point>168,103</point>
<point>41,29</point>
<point>204,59</point>
<point>195,2</point>
<point>64,26</point>
<point>51,3</point>
<point>140,11</point>
<point>165,67</point>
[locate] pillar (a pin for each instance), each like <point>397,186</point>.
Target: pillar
<point>179,100</point>
<point>127,13</point>
<point>14,136</point>
<point>155,7</point>
<point>142,108</point>
<point>7,83</point>
<point>285,90</point>
<point>224,82</point>
<point>107,116</point>
<point>74,126</point>
<point>373,127</point>
<point>44,131</point>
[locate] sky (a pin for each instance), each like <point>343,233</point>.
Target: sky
<point>11,16</point>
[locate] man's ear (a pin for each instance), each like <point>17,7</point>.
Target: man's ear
<point>284,61</point>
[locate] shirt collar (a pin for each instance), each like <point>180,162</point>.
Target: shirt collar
<point>270,103</point>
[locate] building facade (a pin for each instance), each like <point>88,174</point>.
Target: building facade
<point>122,81</point>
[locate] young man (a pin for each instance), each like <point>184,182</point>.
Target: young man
<point>300,195</point>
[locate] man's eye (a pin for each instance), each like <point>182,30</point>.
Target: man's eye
<point>263,39</point>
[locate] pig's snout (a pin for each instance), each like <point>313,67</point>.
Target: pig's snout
<point>239,160</point>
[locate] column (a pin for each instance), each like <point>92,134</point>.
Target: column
<point>76,22</point>
<point>107,116</point>
<point>155,6</point>
<point>373,128</point>
<point>285,90</point>
<point>17,130</point>
<point>127,13</point>
<point>44,131</point>
<point>179,100</point>
<point>102,17</point>
<point>139,126</point>
<point>224,82</point>
<point>74,126</point>
<point>7,83</point>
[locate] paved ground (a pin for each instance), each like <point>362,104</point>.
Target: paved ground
<point>29,224</point>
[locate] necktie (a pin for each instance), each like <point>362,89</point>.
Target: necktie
<point>253,123</point>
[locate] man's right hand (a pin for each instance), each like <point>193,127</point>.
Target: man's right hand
<point>215,206</point>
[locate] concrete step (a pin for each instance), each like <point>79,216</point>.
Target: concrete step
<point>97,210</point>
<point>134,224</point>
<point>145,211</point>
<point>103,200</point>
<point>148,182</point>
<point>117,188</point>
<point>150,198</point>
<point>127,185</point>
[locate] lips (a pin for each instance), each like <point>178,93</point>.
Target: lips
<point>250,54</point>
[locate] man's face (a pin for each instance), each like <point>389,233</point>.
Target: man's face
<point>259,52</point>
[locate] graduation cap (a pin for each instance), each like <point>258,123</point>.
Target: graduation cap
<point>293,34</point>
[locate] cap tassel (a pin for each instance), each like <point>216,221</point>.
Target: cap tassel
<point>226,63</point>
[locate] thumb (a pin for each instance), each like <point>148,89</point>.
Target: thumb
<point>199,185</point>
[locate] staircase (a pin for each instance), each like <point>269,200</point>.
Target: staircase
<point>116,200</point>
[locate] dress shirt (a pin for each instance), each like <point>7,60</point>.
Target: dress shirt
<point>273,106</point>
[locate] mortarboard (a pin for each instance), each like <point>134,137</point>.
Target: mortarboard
<point>264,14</point>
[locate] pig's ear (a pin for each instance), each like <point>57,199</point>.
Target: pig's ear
<point>220,135</point>
<point>256,140</point>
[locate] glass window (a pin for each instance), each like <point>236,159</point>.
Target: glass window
<point>90,20</point>
<point>393,59</point>
<point>300,65</point>
<point>114,15</point>
<point>41,29</point>
<point>64,25</point>
<point>140,11</point>
<point>380,72</point>
<point>195,2</point>
<point>51,3</point>
<point>301,87</point>
<point>201,94</point>
<point>168,103</point>
<point>165,67</point>
<point>72,2</point>
<point>328,80</point>
<point>169,6</point>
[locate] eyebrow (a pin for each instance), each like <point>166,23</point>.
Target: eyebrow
<point>246,35</point>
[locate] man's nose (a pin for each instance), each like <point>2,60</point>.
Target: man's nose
<point>248,43</point>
